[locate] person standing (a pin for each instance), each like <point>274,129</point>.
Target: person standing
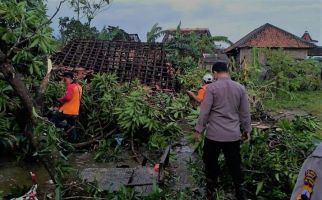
<point>309,182</point>
<point>223,114</point>
<point>69,106</point>
<point>206,80</point>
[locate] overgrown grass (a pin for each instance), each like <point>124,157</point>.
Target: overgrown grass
<point>309,101</point>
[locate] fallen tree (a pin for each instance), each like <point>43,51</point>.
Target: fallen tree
<point>25,45</point>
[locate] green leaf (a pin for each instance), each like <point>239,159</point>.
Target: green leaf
<point>62,155</point>
<point>58,193</point>
<point>9,37</point>
<point>259,187</point>
<point>34,113</point>
<point>31,70</point>
<point>176,115</point>
<point>277,176</point>
<point>43,46</point>
<point>34,43</point>
<point>36,69</point>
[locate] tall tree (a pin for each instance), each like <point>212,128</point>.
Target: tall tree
<point>155,33</point>
<point>114,33</point>
<point>25,44</point>
<point>71,29</point>
<point>184,49</point>
<point>221,39</point>
<point>89,8</point>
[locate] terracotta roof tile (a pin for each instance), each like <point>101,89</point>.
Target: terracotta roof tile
<point>271,36</point>
<point>307,37</point>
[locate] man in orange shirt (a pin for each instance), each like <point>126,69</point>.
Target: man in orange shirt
<point>206,79</point>
<point>69,106</point>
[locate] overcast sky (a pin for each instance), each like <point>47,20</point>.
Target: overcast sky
<point>232,18</point>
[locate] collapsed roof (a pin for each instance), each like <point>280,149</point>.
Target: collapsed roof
<point>128,60</point>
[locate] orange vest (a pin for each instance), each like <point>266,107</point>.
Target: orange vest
<point>201,92</point>
<point>71,107</point>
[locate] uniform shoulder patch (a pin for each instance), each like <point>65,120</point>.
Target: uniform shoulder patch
<point>310,176</point>
<point>307,188</point>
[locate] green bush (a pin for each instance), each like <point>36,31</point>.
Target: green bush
<point>100,96</point>
<point>281,74</point>
<point>107,153</point>
<point>135,114</point>
<point>191,80</point>
<point>290,74</point>
<point>54,90</point>
<point>157,142</point>
<point>273,159</point>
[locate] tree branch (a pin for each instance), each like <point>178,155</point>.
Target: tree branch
<point>11,77</point>
<point>57,10</point>
<point>95,139</point>
<point>22,92</point>
<point>34,32</point>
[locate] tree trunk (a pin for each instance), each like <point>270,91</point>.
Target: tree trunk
<point>41,92</point>
<point>22,92</point>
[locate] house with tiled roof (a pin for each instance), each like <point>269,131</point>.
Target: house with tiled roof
<point>307,37</point>
<point>315,51</point>
<point>269,36</point>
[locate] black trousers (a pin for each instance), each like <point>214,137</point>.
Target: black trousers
<point>231,151</point>
<point>58,118</point>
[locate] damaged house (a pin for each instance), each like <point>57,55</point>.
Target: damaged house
<point>127,60</point>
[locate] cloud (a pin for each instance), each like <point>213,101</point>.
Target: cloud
<point>236,7</point>
<point>190,5</point>
<point>233,18</point>
<point>177,5</point>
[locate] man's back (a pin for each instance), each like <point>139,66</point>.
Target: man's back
<point>226,104</point>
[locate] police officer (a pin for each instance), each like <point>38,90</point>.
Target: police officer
<point>309,182</point>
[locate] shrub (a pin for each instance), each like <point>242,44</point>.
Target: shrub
<point>191,80</point>
<point>157,142</point>
<point>99,99</point>
<point>273,159</point>
<point>290,74</point>
<point>134,113</point>
<point>107,153</point>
